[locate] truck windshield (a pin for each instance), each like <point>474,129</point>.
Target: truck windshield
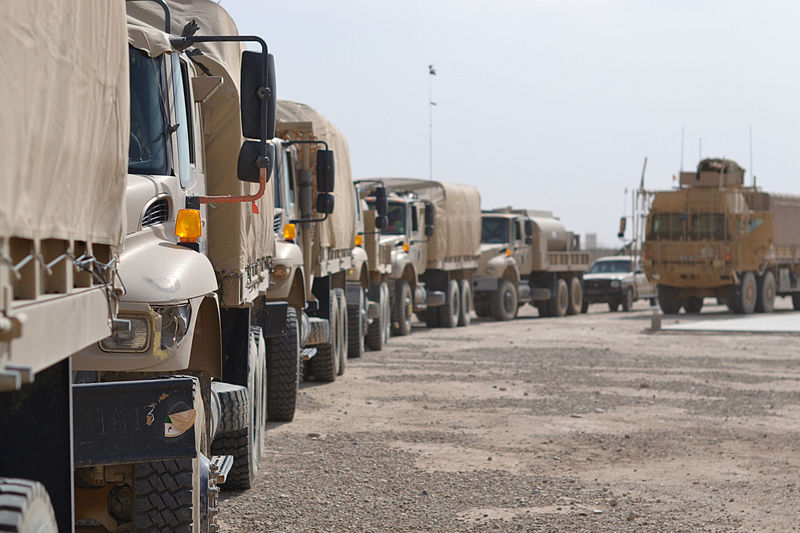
<point>707,226</point>
<point>667,226</point>
<point>396,216</point>
<point>610,267</point>
<point>148,140</point>
<point>494,230</point>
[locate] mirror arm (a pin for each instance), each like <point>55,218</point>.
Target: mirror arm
<point>262,188</point>
<point>289,143</point>
<point>306,220</point>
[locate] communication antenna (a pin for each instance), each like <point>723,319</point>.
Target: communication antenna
<point>700,149</point>
<point>682,139</point>
<point>752,174</point>
<point>431,103</point>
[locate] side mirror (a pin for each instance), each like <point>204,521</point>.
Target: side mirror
<point>429,231</point>
<point>430,213</point>
<point>381,222</point>
<point>253,156</point>
<point>381,202</point>
<point>325,203</point>
<point>622,222</point>
<point>325,175</point>
<point>258,100</point>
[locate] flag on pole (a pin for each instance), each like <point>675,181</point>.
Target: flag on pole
<point>431,70</point>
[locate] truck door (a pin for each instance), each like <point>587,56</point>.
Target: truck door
<point>518,248</point>
<point>419,249</point>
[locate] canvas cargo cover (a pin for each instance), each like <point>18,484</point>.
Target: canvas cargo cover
<point>457,220</point>
<point>298,121</point>
<point>65,120</point>
<point>237,237</point>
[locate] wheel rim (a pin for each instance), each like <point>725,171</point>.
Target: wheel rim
<point>508,301</point>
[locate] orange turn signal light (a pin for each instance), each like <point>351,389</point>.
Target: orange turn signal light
<point>728,258</point>
<point>188,227</point>
<point>359,240</point>
<point>508,252</point>
<point>405,246</point>
<point>289,232</point>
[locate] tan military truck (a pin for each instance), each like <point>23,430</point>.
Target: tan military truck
<point>316,241</point>
<point>64,125</point>
<point>433,232</point>
<point>528,256</point>
<point>176,404</point>
<point>714,237</point>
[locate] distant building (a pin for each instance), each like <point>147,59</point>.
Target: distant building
<point>591,241</point>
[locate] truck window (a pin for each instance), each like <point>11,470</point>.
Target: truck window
<point>667,226</point>
<point>414,217</point>
<point>278,179</point>
<point>147,153</point>
<point>517,231</point>
<point>397,219</point>
<point>610,267</point>
<point>494,230</point>
<point>707,226</point>
<point>286,176</point>
<point>187,100</point>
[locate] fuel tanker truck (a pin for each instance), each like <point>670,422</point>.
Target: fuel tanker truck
<point>315,249</point>
<point>433,231</point>
<point>528,256</point>
<point>715,237</point>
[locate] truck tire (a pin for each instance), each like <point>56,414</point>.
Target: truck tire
<point>402,307</point>
<point>796,301</point>
<point>693,304</point>
<point>233,403</point>
<point>765,302</point>
<point>584,307</point>
<point>746,295</point>
<point>325,364</point>
<point>627,300</point>
<point>575,304</point>
<point>448,313</point>
<point>163,495</point>
<point>342,330</point>
<point>560,300</point>
<point>667,299</point>
<point>378,330</point>
<point>25,507</point>
<point>505,301</point>
<point>465,309</point>
<point>283,371</point>
<point>355,327</point>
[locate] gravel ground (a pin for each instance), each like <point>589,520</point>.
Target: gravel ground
<point>582,423</point>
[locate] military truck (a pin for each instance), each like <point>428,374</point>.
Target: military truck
<point>61,228</point>
<point>715,237</point>
<point>315,242</point>
<point>433,232</point>
<point>176,404</point>
<point>528,256</point>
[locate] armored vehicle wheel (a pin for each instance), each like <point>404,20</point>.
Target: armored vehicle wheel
<point>746,295</point>
<point>325,364</point>
<point>627,300</point>
<point>465,309</point>
<point>342,331</point>
<point>283,371</point>
<point>765,302</point>
<point>448,313</point>
<point>355,329</point>
<point>504,301</point>
<point>668,300</point>
<point>25,507</point>
<point>378,330</point>
<point>402,307</point>
<point>693,304</point>
<point>560,300</point>
<point>796,301</point>
<point>584,306</point>
<point>575,304</point>
<point>163,495</point>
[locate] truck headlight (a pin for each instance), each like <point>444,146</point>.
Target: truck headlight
<point>175,321</point>
<point>135,340</point>
<point>615,283</point>
<point>490,269</point>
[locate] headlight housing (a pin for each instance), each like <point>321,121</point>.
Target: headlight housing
<point>175,320</point>
<point>136,340</point>
<point>615,283</point>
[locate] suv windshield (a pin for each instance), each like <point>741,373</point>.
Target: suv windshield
<point>611,267</point>
<point>148,143</point>
<point>494,230</point>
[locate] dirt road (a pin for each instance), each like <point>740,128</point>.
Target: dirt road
<point>582,423</point>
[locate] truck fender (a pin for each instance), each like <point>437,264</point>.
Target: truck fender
<point>511,273</point>
<point>206,354</point>
<point>403,268</point>
<point>359,257</point>
<point>288,255</point>
<point>158,271</point>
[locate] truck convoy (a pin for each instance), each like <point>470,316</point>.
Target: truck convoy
<point>528,256</point>
<point>715,237</point>
<point>433,232</point>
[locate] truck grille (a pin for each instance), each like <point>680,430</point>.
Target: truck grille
<point>156,213</point>
<point>596,284</point>
<point>277,223</point>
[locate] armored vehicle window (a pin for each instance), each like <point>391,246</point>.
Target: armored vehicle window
<point>494,230</point>
<point>710,226</point>
<point>148,141</point>
<point>668,226</point>
<point>610,267</point>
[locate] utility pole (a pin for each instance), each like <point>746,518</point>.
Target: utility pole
<point>431,103</point>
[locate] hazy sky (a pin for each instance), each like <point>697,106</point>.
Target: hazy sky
<point>546,104</point>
